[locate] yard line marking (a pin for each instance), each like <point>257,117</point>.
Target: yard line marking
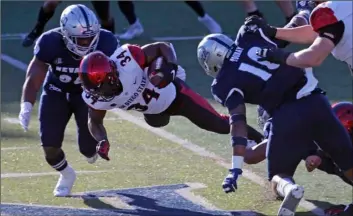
<point>21,36</point>
<point>186,144</point>
<point>24,175</point>
<point>12,120</point>
<point>14,148</point>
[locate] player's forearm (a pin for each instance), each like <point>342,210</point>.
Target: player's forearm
<point>300,35</point>
<point>304,59</point>
<point>239,142</point>
<point>97,130</point>
<point>168,52</point>
<point>30,89</point>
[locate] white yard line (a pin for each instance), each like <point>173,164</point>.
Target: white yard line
<point>23,175</point>
<point>14,148</point>
<point>20,36</point>
<point>186,144</point>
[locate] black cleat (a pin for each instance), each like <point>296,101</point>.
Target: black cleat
<point>31,37</point>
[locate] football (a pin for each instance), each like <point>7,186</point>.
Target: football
<point>158,71</point>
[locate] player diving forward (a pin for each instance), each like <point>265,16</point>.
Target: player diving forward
<point>122,81</point>
<point>289,94</point>
<point>56,59</point>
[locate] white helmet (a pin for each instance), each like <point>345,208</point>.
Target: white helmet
<point>80,28</point>
<point>211,52</point>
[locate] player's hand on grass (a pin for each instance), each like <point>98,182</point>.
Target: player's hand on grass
<point>230,182</point>
<point>103,149</point>
<point>25,114</point>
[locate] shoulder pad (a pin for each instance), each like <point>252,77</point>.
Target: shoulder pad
<point>323,15</point>
<point>138,54</point>
<point>107,43</point>
<point>47,44</point>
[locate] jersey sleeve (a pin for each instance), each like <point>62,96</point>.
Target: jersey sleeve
<point>138,54</point>
<point>326,24</point>
<point>108,43</point>
<point>228,96</point>
<point>43,48</point>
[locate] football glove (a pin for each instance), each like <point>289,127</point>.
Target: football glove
<point>261,23</point>
<point>103,149</point>
<point>167,77</point>
<point>273,55</point>
<point>230,182</point>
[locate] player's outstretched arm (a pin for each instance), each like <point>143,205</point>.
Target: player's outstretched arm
<point>299,35</point>
<point>97,129</point>
<point>95,124</point>
<point>35,76</point>
<point>155,50</point>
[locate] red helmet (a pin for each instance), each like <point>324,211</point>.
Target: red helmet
<point>99,76</point>
<point>344,112</point>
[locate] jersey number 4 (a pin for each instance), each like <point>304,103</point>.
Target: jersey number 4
<point>147,95</point>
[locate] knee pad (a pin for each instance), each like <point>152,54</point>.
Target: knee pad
<point>157,121</point>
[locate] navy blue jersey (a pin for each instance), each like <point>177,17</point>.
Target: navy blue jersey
<point>63,64</point>
<point>244,79</point>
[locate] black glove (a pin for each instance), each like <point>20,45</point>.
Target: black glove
<point>167,74</point>
<point>273,55</point>
<point>268,30</point>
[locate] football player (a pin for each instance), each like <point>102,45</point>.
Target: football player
<point>126,81</point>
<point>330,31</point>
<point>287,93</point>
<point>57,55</point>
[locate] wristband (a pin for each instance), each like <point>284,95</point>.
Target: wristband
<point>237,162</point>
<point>236,140</point>
<point>26,106</point>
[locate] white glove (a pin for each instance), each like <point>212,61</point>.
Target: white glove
<point>25,114</point>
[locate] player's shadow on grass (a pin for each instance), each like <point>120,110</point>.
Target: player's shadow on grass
<point>145,206</point>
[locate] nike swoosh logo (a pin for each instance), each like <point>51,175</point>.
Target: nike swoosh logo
<point>135,81</point>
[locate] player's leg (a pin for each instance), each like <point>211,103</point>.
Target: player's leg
<point>45,13</point>
<point>87,144</point>
<point>331,136</point>
<point>157,120</point>
<point>251,8</point>
<point>135,29</point>
<point>286,8</point>
<point>286,147</point>
<point>197,109</point>
<point>203,17</point>
<point>102,9</point>
<point>54,113</point>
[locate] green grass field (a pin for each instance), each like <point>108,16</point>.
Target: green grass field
<point>140,158</point>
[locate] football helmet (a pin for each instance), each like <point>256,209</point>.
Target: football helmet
<point>99,76</point>
<point>344,112</point>
<point>211,52</point>
<point>80,28</point>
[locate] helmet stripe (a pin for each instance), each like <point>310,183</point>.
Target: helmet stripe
<point>219,41</point>
<point>85,16</point>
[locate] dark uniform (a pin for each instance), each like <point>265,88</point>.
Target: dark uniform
<point>61,96</point>
<point>300,112</point>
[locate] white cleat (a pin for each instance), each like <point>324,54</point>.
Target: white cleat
<point>291,201</point>
<point>211,24</point>
<point>66,181</point>
<point>133,31</point>
<point>93,159</point>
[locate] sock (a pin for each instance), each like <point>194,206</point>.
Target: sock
<point>128,9</point>
<point>59,162</point>
<point>43,17</point>
<point>197,7</point>
<point>284,185</point>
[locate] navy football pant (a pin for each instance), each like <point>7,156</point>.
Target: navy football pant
<point>192,106</point>
<point>55,110</point>
<point>295,125</point>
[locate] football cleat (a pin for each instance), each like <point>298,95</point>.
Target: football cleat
<point>133,31</point>
<point>210,24</point>
<point>291,201</point>
<point>305,5</point>
<point>66,181</point>
<point>93,159</point>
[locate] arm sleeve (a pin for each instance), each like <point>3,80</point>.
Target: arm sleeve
<point>138,54</point>
<point>43,48</point>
